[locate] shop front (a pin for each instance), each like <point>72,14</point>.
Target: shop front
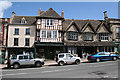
<point>48,50</point>
<point>89,48</point>
<point>17,51</point>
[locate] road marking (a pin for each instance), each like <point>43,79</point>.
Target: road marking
<point>13,74</point>
<point>24,69</point>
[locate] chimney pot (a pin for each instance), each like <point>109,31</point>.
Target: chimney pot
<point>105,15</point>
<point>39,11</point>
<point>62,14</point>
<point>13,13</point>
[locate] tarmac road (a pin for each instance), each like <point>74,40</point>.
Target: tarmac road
<point>106,69</point>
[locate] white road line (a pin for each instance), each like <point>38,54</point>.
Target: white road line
<point>13,74</point>
<point>24,69</point>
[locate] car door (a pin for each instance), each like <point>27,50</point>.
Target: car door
<point>26,59</point>
<point>31,60</point>
<point>101,55</point>
<point>69,58</point>
<point>21,60</point>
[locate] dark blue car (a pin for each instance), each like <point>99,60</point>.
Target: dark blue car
<point>100,56</point>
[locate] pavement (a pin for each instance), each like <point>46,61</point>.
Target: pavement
<point>48,63</point>
<point>105,69</point>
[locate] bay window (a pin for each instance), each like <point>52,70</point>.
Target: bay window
<point>49,34</point>
<point>88,37</point>
<point>72,35</point>
<point>103,37</point>
<point>118,32</point>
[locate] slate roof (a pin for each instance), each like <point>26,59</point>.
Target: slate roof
<point>81,24</point>
<point>50,13</point>
<point>29,19</point>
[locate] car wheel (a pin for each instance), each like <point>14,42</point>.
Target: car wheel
<point>114,58</point>
<point>16,66</point>
<point>98,60</point>
<point>61,63</point>
<point>38,64</point>
<point>77,61</point>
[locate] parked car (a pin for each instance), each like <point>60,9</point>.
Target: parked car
<point>20,60</point>
<point>100,56</point>
<point>67,58</point>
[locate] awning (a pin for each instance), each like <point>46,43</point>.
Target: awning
<point>48,44</point>
<point>86,43</point>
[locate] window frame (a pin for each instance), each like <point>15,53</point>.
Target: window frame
<point>16,32</point>
<point>118,33</point>
<point>52,34</point>
<point>16,43</point>
<point>85,36</point>
<point>27,43</point>
<point>48,22</point>
<point>71,35</point>
<point>103,36</point>
<point>27,33</point>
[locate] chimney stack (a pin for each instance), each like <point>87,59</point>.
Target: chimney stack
<point>62,14</point>
<point>105,15</point>
<point>13,14</point>
<point>39,11</point>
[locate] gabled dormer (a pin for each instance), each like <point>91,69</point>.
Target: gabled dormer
<point>72,27</point>
<point>103,28</point>
<point>88,28</point>
<point>23,20</point>
<point>103,32</point>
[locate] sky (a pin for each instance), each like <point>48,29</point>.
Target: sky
<point>72,10</point>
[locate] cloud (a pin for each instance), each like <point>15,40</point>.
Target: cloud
<point>3,6</point>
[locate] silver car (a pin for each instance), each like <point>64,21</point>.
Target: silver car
<point>66,58</point>
<point>20,60</point>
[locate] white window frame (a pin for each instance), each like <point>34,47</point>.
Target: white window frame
<point>103,37</point>
<point>46,34</point>
<point>49,22</point>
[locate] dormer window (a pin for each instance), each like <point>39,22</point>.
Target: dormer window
<point>23,21</point>
<point>49,22</point>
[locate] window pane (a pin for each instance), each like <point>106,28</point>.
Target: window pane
<point>27,31</point>
<point>103,36</point>
<point>72,35</point>
<point>20,57</point>
<point>118,32</point>
<point>15,41</point>
<point>47,21</point>
<point>16,31</point>
<point>48,34</point>
<point>26,41</point>
<point>54,34</point>
<point>43,34</point>
<point>25,57</point>
<point>51,22</point>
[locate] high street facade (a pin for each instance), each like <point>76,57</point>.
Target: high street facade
<point>48,33</point>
